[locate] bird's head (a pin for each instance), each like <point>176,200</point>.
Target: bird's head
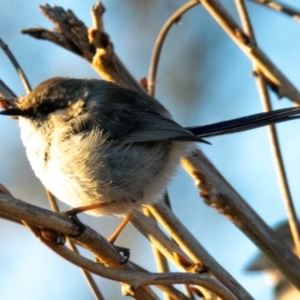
<point>56,99</point>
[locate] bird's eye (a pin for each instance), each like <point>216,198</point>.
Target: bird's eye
<point>49,107</point>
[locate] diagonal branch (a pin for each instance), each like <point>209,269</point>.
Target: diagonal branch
<point>218,193</point>
<point>274,142</point>
<point>277,80</point>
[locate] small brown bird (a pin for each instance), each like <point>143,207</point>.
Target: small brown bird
<point>97,145</point>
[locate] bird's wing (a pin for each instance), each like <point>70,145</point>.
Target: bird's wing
<point>132,125</point>
<point>152,127</point>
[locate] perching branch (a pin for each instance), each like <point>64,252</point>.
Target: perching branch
<point>98,245</point>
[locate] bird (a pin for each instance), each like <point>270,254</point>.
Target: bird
<point>108,149</point>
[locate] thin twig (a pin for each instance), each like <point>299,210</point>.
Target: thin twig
<point>171,290</point>
<point>105,62</point>
<point>280,7</point>
<point>18,68</point>
<point>88,277</point>
<point>160,40</point>
<point>136,280</point>
<point>273,137</point>
<point>194,249</point>
<point>97,11</point>
<point>160,260</point>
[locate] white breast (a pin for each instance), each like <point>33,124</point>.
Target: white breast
<point>35,145</point>
<point>47,165</point>
<point>99,172</point>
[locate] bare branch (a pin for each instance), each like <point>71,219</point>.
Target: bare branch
<point>160,260</point>
<point>105,62</point>
<point>88,277</point>
<point>160,40</point>
<point>217,193</point>
<point>276,79</point>
<point>15,63</point>
<point>105,252</point>
<point>274,142</point>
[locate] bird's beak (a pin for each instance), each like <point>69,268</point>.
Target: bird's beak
<point>9,107</point>
<point>14,112</point>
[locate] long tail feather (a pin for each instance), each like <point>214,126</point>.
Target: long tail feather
<point>246,123</point>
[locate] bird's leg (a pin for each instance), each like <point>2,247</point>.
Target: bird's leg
<point>125,251</point>
<point>72,213</point>
<point>77,210</point>
<point>120,228</point>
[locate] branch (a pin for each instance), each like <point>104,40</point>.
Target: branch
<point>105,252</point>
<point>69,33</point>
<point>273,137</point>
<point>160,40</point>
<point>277,80</point>
<point>105,62</point>
<point>18,68</point>
<point>217,193</point>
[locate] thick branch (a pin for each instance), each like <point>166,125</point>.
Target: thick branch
<point>104,251</point>
<point>217,193</point>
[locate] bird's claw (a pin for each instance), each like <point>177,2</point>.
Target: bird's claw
<point>72,214</point>
<point>125,253</point>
